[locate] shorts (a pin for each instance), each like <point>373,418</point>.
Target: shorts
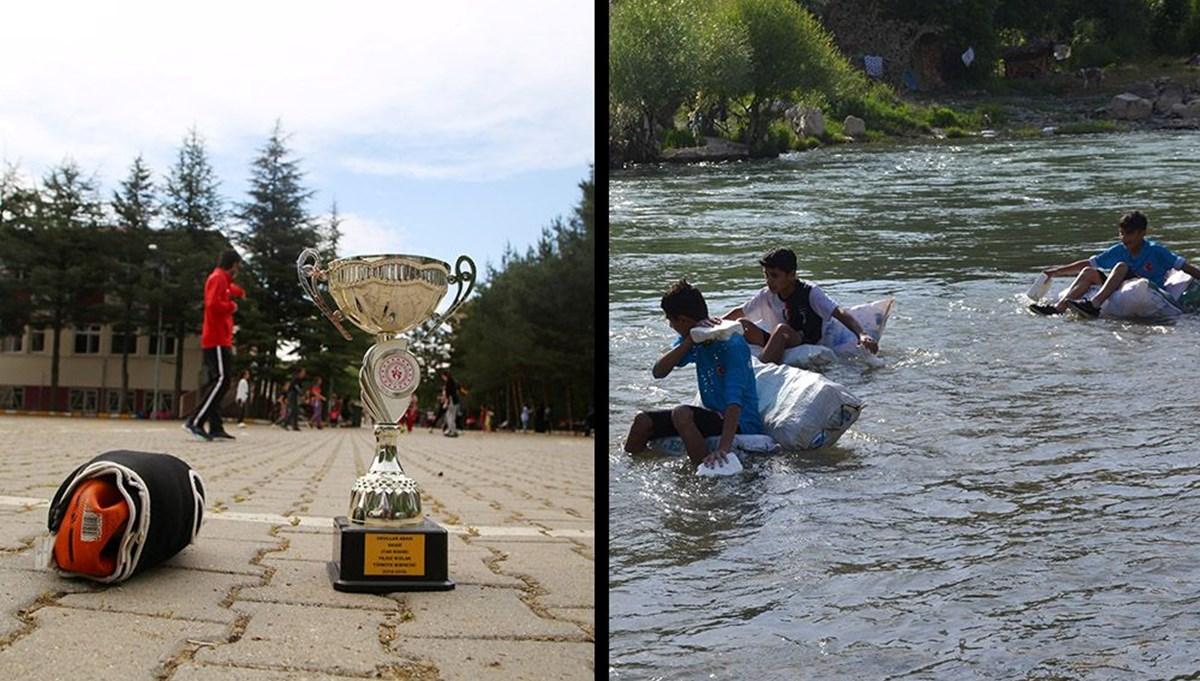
<point>709,422</point>
<point>1129,274</point>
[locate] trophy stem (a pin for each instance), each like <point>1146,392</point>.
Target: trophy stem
<point>386,460</point>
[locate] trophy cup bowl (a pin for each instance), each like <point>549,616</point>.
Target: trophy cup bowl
<point>386,295</point>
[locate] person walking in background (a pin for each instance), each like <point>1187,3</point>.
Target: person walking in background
<point>549,427</point>
<point>243,397</point>
<point>450,391</point>
<point>524,418</point>
<point>293,400</point>
<point>410,416</point>
<point>216,343</point>
<point>317,401</point>
<point>281,407</point>
<point>335,410</point>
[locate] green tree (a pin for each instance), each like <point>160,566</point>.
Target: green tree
<point>193,211</point>
<point>277,227</point>
<point>135,206</point>
<point>651,67</point>
<point>1170,19</point>
<point>56,247</point>
<point>790,51</point>
<point>724,59</point>
<point>527,337</point>
<point>18,210</point>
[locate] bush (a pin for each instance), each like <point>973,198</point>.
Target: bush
<point>780,138</point>
<point>945,117</point>
<point>676,138</point>
<point>1087,127</point>
<point>882,111</point>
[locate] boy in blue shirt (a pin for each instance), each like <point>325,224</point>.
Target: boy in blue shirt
<point>1134,256</point>
<point>727,388</point>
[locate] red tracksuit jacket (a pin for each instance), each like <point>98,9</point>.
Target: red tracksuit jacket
<point>219,307</point>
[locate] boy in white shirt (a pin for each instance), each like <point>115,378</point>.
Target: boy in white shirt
<point>243,397</point>
<point>788,311</point>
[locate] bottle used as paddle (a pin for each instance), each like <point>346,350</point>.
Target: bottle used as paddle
<point>1040,287</point>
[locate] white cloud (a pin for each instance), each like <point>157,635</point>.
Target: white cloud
<point>363,236</point>
<point>463,90</point>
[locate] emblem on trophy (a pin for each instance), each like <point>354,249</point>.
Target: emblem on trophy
<point>385,543</point>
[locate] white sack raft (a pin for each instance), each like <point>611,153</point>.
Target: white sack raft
<point>801,410</point>
<point>838,341</point>
<point>1138,299</point>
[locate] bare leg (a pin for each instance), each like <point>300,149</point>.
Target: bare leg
<point>639,434</point>
<point>782,338</point>
<point>1088,277</point>
<point>751,332</point>
<point>1114,281</point>
<point>685,424</point>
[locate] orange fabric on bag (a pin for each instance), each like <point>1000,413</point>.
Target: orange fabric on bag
<point>80,546</point>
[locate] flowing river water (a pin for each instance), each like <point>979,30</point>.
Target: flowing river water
<point>1021,495</point>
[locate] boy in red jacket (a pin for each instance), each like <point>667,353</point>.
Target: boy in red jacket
<point>216,341</point>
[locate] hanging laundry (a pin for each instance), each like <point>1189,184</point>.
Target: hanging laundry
<point>874,65</point>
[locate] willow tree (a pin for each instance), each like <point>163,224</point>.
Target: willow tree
<point>790,52</point>
<point>651,66</point>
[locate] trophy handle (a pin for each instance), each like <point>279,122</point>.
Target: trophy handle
<point>310,273</point>
<point>459,277</point>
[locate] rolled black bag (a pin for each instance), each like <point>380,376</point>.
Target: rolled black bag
<point>123,512</point>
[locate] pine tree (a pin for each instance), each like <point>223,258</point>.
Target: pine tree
<point>527,337</point>
<point>277,228</point>
<point>58,250</point>
<point>135,206</point>
<point>193,211</point>
<point>18,208</point>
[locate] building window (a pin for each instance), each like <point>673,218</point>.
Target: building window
<point>12,397</point>
<point>112,399</point>
<point>168,345</point>
<point>11,343</point>
<point>122,341</point>
<point>166,401</point>
<point>85,400</point>
<point>37,340</point>
<point>87,340</point>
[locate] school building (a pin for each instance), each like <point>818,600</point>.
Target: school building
<point>89,373</point>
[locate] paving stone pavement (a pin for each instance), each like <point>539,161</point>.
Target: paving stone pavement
<point>250,599</point>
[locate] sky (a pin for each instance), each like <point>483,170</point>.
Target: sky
<point>439,128</point>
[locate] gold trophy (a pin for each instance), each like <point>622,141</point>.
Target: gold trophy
<point>386,544</point>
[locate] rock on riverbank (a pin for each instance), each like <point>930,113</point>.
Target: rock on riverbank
<point>714,149</point>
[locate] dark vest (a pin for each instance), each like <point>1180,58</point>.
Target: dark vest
<point>799,315</point>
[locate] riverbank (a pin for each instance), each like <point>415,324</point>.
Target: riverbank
<point>1164,94</point>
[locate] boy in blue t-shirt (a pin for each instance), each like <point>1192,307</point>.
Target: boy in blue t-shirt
<point>727,388</point>
<point>1134,256</point>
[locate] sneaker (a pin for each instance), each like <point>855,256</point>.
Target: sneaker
<point>1085,308</point>
<point>241,425</point>
<point>197,432</point>
<point>1044,309</point>
<point>222,435</point>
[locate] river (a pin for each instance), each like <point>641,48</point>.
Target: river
<point>1021,495</point>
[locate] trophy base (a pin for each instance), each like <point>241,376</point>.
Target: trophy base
<point>384,559</point>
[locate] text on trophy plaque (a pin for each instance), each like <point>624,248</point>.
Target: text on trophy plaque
<point>394,554</point>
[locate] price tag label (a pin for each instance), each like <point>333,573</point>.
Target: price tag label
<point>394,554</point>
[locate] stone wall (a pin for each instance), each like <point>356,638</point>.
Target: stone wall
<point>859,28</point>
